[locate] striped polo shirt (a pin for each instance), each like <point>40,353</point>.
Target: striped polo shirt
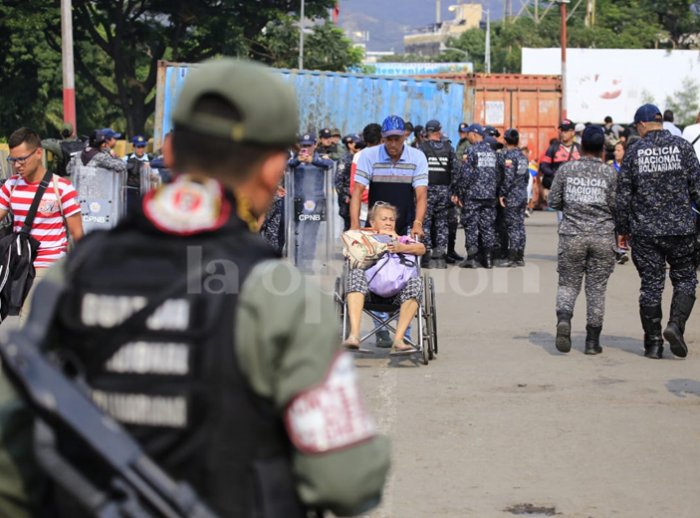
<point>48,227</point>
<point>391,182</point>
<point>375,165</point>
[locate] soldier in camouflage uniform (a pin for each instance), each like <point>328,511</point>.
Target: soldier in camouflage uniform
<point>514,167</point>
<point>478,190</point>
<point>272,228</point>
<point>585,191</point>
<point>442,166</point>
<point>328,149</point>
<point>658,181</point>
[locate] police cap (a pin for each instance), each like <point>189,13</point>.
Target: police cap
<point>268,106</point>
<point>139,141</point>
<point>433,126</point>
<point>647,113</point>
<point>325,133</point>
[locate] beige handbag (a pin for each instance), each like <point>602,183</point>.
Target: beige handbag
<point>362,248</point>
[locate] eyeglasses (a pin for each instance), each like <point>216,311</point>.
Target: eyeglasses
<point>20,159</point>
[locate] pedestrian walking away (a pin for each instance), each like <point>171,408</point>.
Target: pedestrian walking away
<point>585,193</point>
<point>657,184</point>
<point>201,343</point>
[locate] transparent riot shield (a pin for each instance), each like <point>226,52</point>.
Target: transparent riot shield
<point>150,179</point>
<point>310,218</point>
<point>102,196</point>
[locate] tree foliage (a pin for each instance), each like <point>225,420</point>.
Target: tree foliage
<point>620,24</point>
<point>118,44</point>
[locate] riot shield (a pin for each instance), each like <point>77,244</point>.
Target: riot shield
<point>102,196</point>
<point>150,179</point>
<point>310,217</point>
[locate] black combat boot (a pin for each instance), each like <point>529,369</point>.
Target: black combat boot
<point>487,257</point>
<point>651,322</point>
<point>563,340</point>
<point>681,306</point>
<point>506,261</point>
<point>439,260</point>
<point>519,258</point>
<point>425,261</point>
<point>470,261</point>
<point>593,340</point>
<point>452,257</point>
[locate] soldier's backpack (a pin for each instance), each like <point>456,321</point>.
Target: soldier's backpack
<point>69,148</point>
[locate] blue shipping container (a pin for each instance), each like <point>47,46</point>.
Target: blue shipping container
<point>346,101</point>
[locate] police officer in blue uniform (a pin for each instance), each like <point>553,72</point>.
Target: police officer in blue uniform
<point>134,162</point>
<point>478,188</point>
<point>657,184</point>
<point>442,169</point>
<point>513,165</point>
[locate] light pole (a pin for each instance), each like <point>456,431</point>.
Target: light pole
<point>68,70</point>
<point>562,8</point>
<point>301,37</point>
<point>487,43</point>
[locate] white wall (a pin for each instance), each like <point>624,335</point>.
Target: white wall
<point>615,82</point>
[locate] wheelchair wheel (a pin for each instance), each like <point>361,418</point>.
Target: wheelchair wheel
<point>425,338</point>
<point>433,319</point>
<point>426,344</point>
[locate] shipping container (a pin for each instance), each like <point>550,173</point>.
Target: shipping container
<point>339,100</point>
<point>529,103</point>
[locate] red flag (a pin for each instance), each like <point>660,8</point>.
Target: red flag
<point>336,12</point>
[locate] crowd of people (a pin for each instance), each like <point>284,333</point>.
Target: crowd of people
<point>308,443</point>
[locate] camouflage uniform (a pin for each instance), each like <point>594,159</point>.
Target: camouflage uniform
<point>585,191</point>
<point>658,181</point>
<point>659,178</point>
<point>342,189</point>
<point>332,152</point>
<point>515,178</point>
<point>478,188</point>
<point>442,165</point>
<point>272,229</point>
<point>101,159</point>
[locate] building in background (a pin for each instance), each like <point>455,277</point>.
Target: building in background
<point>427,41</point>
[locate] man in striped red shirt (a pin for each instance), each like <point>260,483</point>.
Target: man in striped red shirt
<point>59,208</point>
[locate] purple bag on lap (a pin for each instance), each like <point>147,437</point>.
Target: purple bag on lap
<point>391,274</point>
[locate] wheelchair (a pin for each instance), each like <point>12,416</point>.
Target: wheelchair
<point>424,322</point>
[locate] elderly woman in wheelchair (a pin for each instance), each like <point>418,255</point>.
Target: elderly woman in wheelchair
<point>382,219</point>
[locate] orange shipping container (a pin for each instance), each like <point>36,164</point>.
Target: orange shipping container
<point>529,103</point>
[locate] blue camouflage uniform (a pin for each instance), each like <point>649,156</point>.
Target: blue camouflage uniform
<point>478,188</point>
<point>442,169</point>
<point>658,181</point>
<point>514,166</point>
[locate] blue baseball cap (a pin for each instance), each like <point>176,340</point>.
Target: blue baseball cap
<point>463,127</point>
<point>593,136</point>
<point>109,133</point>
<point>139,141</point>
<point>307,139</point>
<point>647,113</point>
<point>475,128</point>
<point>393,125</point>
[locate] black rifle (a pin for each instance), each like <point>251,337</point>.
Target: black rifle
<point>136,487</point>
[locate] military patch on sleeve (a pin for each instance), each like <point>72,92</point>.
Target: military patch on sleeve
<point>330,416</point>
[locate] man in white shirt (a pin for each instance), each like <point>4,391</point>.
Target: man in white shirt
<point>691,133</point>
<point>669,125</point>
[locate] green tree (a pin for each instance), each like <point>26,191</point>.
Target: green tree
<point>685,103</point>
<point>325,46</point>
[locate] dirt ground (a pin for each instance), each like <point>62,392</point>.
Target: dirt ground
<point>504,425</point>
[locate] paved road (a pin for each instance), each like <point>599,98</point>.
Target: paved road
<point>502,420</point>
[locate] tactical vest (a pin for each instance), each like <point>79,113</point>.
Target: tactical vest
<point>439,162</point>
<point>176,384</point>
<point>133,172</point>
